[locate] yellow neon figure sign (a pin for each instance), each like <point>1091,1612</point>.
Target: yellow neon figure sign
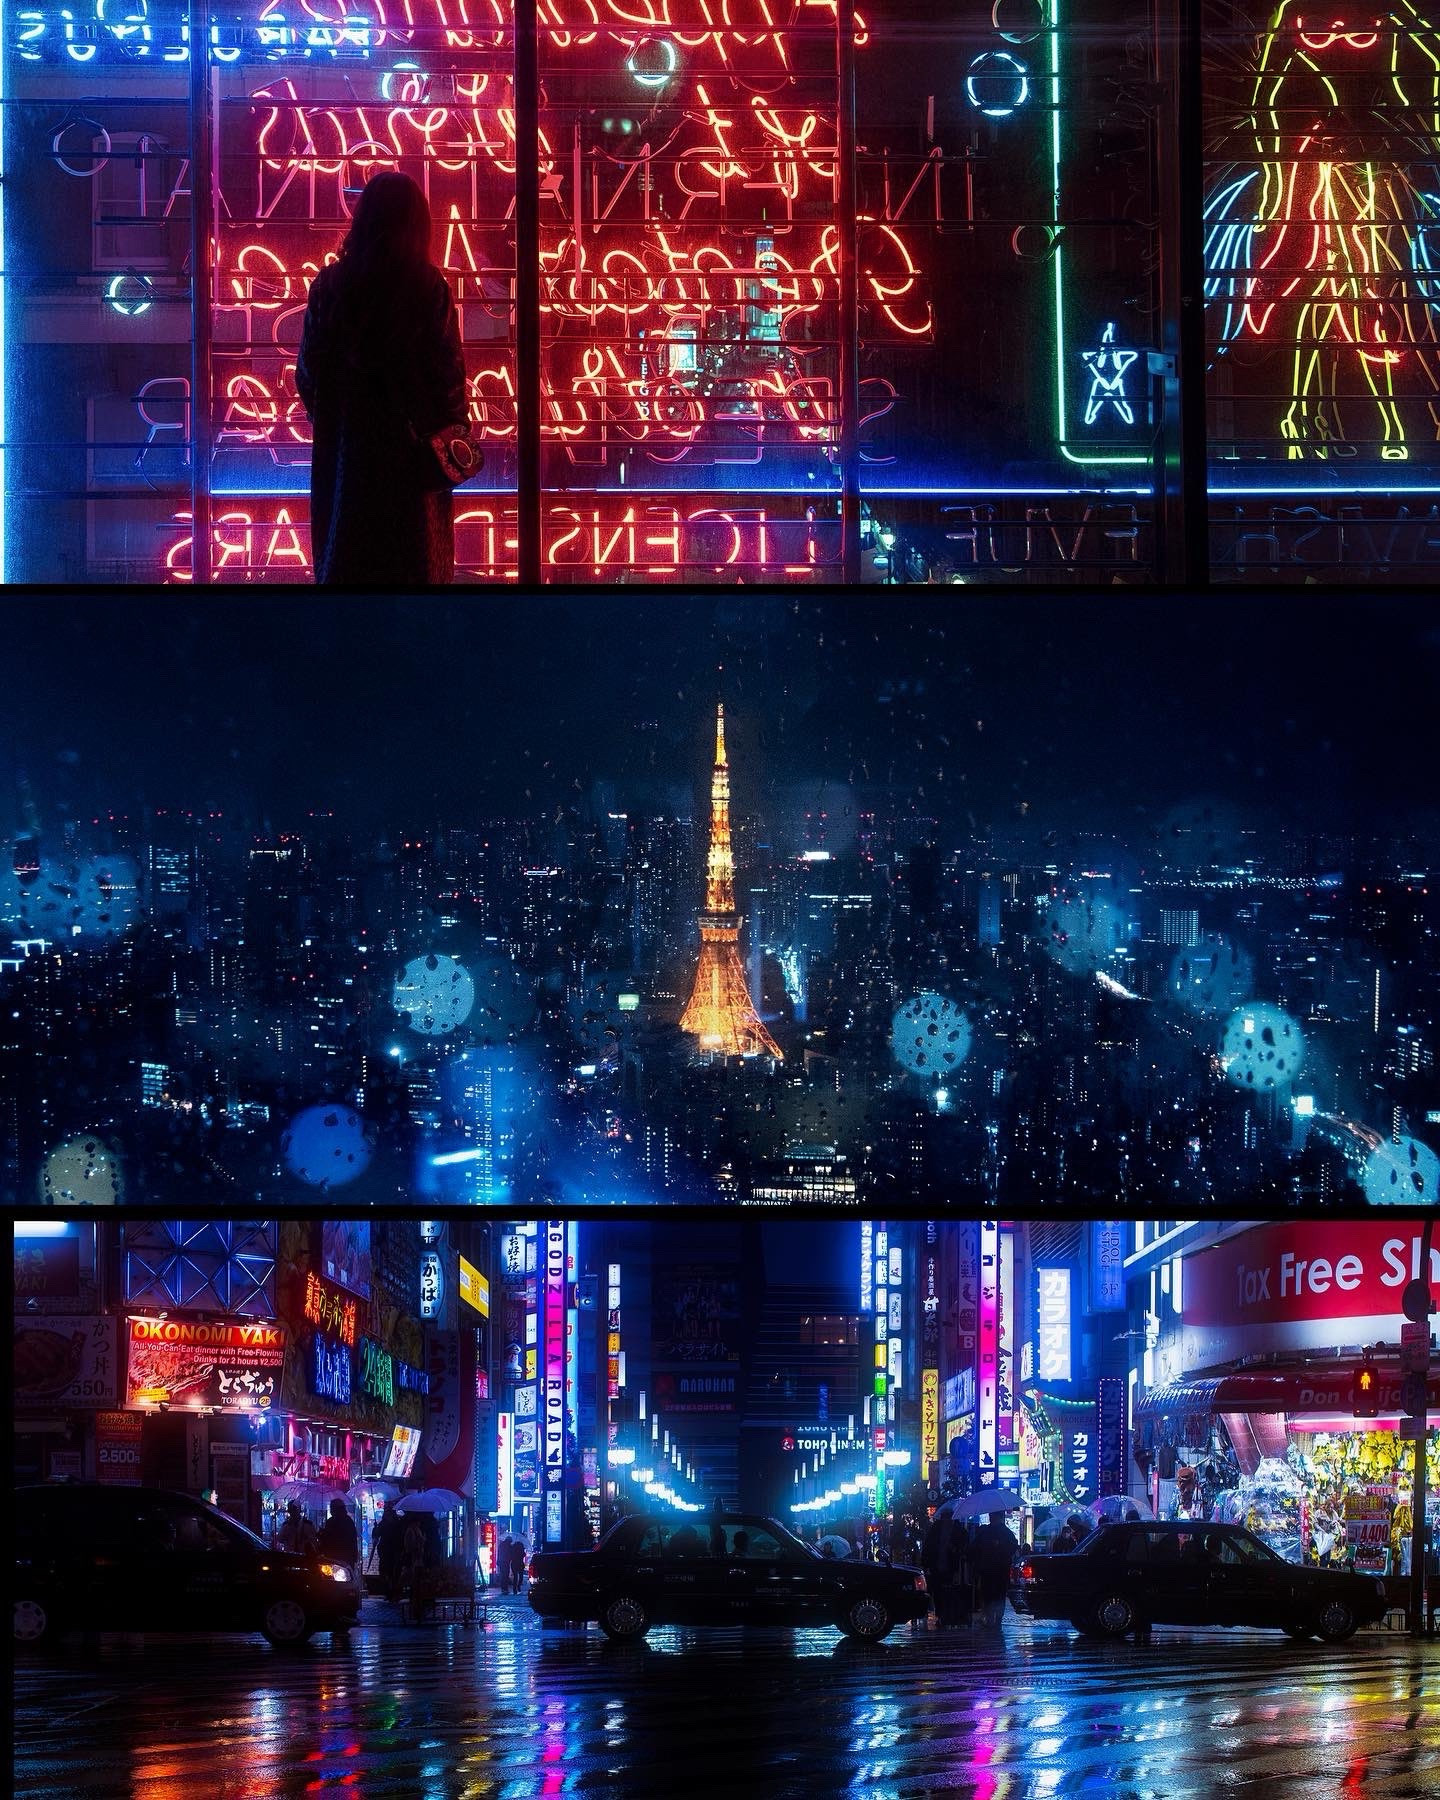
<point>1325,242</point>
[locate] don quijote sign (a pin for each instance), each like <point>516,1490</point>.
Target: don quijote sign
<point>1299,1286</point>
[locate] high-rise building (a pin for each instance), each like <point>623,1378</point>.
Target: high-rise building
<point>1180,927</point>
<point>721,1016</point>
<point>816,1172</point>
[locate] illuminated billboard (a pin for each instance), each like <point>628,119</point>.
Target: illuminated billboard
<point>193,1363</point>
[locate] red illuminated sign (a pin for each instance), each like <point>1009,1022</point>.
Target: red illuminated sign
<point>333,1312</point>
<point>1324,1269</point>
<point>689,260</point>
<point>664,540</point>
<point>203,1363</point>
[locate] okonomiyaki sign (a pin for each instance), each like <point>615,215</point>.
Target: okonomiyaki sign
<point>200,1362</point>
<point>1299,1286</point>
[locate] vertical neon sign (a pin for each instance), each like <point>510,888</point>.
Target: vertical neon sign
<point>1063,373</point>
<point>989,1355</point>
<point>1053,1324</point>
<point>895,1361</point>
<point>1005,1345</point>
<point>572,1336</point>
<point>504,1465</point>
<point>554,1314</point>
<point>612,1332</point>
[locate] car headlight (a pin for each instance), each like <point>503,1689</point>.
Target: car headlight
<point>336,1571</point>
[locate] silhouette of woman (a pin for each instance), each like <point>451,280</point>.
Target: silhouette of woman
<point>380,370</point>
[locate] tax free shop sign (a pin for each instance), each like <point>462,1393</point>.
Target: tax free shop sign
<point>1293,1286</point>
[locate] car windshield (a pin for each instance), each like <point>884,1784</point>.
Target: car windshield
<point>788,1537</point>
<point>1245,1547</point>
<point>233,1525</point>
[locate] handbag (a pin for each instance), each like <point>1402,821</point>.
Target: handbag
<point>456,454</point>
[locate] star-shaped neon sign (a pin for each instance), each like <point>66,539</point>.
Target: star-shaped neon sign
<point>1108,368</point>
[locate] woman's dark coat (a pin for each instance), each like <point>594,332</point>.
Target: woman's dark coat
<point>380,354</point>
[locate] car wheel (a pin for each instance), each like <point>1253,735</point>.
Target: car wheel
<point>286,1622</point>
<point>1335,1621</point>
<point>868,1619</point>
<point>1113,1616</point>
<point>34,1622</point>
<point>624,1617</point>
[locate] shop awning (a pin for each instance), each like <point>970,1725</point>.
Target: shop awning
<point>1313,1389</point>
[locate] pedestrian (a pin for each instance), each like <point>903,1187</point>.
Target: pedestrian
<point>390,1549</point>
<point>1324,1540</point>
<point>297,1534</point>
<point>936,1560</point>
<point>517,1564</point>
<point>995,1550</point>
<point>962,1586</point>
<point>434,1543</point>
<point>415,1573</point>
<point>381,372</point>
<point>502,1562</point>
<point>339,1540</point>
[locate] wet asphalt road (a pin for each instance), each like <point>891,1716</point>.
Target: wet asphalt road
<point>513,1711</point>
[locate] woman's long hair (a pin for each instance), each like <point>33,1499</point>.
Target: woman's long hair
<point>390,227</point>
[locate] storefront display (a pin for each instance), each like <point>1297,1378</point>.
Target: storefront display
<point>1309,1482</point>
<point>1268,1430</point>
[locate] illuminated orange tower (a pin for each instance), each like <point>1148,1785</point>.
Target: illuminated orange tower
<point>720,1016</point>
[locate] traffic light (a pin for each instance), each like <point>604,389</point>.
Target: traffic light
<point>1365,1391</point>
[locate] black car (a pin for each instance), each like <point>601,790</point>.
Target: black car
<point>1126,1577</point>
<point>737,1569</point>
<point>141,1559</point>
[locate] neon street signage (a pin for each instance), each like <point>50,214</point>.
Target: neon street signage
<point>330,1370</point>
<point>554,1391</point>
<point>1053,1324</point>
<point>474,1289</point>
<point>329,1309</point>
<point>929,1416</point>
<point>383,1374</point>
<point>989,1353</point>
<point>377,1372</point>
<point>432,1284</point>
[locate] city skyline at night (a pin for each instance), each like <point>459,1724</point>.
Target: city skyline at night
<point>973,992</point>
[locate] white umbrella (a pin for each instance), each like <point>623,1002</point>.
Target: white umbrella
<point>985,1500</point>
<point>430,1500</point>
<point>1120,1506</point>
<point>833,1541</point>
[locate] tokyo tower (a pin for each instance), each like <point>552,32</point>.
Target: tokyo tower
<point>720,1016</point>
